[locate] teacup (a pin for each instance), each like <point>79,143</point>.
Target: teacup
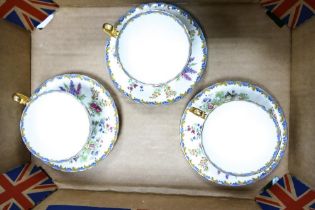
<point>55,126</point>
<point>153,47</point>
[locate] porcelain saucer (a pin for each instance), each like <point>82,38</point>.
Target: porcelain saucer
<point>174,89</point>
<point>103,114</point>
<point>203,105</point>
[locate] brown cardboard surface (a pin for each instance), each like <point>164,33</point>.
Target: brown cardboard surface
<point>15,68</point>
<point>302,163</point>
<point>144,201</point>
<point>147,156</point>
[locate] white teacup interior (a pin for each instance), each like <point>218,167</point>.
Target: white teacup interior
<point>57,125</point>
<point>239,137</point>
<point>153,48</point>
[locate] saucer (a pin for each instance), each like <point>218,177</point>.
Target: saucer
<point>167,87</point>
<point>216,139</point>
<point>103,114</point>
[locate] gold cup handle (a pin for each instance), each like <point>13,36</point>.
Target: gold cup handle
<point>198,112</point>
<point>20,98</point>
<point>110,30</point>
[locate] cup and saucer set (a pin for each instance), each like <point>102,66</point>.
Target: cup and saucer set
<point>232,133</point>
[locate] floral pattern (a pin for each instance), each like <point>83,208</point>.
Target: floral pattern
<point>173,90</point>
<point>167,90</point>
<point>95,107</point>
<point>76,91</point>
<point>188,70</point>
<point>207,100</point>
<point>195,152</point>
<point>133,85</point>
<point>203,163</point>
<point>221,97</point>
<point>195,129</point>
<point>104,119</point>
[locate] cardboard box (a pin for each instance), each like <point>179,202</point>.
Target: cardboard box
<point>147,169</point>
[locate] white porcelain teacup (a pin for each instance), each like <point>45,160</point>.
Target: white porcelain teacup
<point>152,47</point>
<point>55,125</point>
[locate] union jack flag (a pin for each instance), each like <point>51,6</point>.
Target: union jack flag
<point>288,193</point>
<point>27,13</point>
<point>290,12</point>
<point>24,187</point>
<point>67,207</point>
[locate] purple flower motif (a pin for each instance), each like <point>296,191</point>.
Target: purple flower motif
<point>189,70</point>
<point>210,106</point>
<point>72,89</point>
<point>133,86</point>
<point>95,107</point>
<point>78,89</point>
<point>186,76</point>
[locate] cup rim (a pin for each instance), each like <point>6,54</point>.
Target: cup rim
<point>33,98</point>
<point>161,12</point>
<point>259,170</point>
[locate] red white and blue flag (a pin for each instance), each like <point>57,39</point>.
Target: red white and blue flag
<point>24,187</point>
<point>68,207</point>
<point>288,193</point>
<point>27,13</point>
<point>290,12</point>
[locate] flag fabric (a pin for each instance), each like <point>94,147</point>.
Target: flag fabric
<point>24,187</point>
<point>288,193</point>
<point>27,13</point>
<point>289,12</point>
<point>68,207</point>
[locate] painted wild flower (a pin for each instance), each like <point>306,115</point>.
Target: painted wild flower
<point>73,89</point>
<point>195,130</point>
<point>188,70</point>
<point>169,92</point>
<point>203,163</point>
<point>207,101</point>
<point>95,107</point>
